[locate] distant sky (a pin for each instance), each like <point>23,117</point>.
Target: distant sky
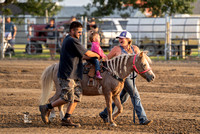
<point>75,2</point>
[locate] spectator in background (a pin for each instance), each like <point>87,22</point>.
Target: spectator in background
<point>10,28</point>
<point>29,29</point>
<point>62,34</point>
<point>73,18</point>
<point>51,38</point>
<point>92,26</point>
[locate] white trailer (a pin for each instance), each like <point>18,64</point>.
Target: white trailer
<point>150,33</point>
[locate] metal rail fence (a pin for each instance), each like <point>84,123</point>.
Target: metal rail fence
<point>169,37</point>
<point>31,37</point>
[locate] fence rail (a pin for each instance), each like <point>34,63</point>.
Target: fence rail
<point>181,38</point>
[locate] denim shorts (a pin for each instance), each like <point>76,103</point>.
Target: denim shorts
<point>70,90</point>
<point>51,41</point>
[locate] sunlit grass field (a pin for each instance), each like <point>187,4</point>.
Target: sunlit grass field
<point>20,54</point>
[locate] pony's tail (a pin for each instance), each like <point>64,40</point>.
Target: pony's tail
<point>46,83</point>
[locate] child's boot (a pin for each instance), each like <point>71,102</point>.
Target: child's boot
<point>98,75</point>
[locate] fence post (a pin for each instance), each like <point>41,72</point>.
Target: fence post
<point>47,16</point>
<point>82,35</point>
<point>138,33</point>
<point>182,49</point>
<point>199,47</point>
<point>2,37</point>
<point>168,52</point>
<point>85,32</point>
<point>57,38</point>
<point>166,37</point>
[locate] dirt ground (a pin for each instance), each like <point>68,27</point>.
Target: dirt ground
<point>172,101</point>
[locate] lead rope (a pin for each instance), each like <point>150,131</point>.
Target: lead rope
<point>134,97</point>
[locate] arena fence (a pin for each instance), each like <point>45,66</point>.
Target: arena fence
<point>172,37</point>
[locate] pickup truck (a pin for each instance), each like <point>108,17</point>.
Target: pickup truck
<point>110,29</point>
<point>39,37</point>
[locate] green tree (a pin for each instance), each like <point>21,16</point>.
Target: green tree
<point>157,7</point>
<point>32,7</point>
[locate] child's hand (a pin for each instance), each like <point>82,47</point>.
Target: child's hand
<point>104,58</point>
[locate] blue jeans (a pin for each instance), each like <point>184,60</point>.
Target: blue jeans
<point>130,90</point>
<point>95,61</point>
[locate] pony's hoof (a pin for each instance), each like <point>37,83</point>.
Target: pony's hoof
<point>113,125</point>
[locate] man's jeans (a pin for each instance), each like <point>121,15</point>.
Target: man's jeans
<point>130,90</point>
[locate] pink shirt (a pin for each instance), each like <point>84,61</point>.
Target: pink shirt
<point>97,49</point>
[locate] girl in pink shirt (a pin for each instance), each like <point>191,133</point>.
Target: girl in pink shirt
<point>95,40</point>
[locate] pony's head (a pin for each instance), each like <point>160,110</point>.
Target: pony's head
<point>141,66</point>
<point>123,65</point>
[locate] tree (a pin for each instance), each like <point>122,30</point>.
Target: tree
<point>157,7</point>
<point>32,7</point>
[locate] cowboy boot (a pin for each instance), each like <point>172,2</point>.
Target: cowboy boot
<point>68,122</point>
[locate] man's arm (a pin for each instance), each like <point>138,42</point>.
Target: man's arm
<point>15,32</point>
<point>92,54</point>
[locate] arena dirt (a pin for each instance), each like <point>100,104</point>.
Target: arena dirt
<point>172,101</point>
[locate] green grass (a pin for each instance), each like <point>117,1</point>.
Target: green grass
<point>20,54</point>
<point>195,52</point>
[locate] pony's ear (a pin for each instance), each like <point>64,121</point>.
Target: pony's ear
<point>141,54</point>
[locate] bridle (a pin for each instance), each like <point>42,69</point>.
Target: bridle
<point>135,68</point>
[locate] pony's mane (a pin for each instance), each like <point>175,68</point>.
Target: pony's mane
<point>116,64</point>
<point>147,58</point>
